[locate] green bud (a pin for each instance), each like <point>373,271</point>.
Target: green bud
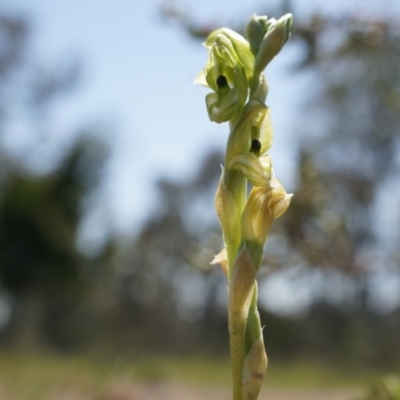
<point>275,37</point>
<point>255,31</point>
<point>263,206</point>
<point>254,370</point>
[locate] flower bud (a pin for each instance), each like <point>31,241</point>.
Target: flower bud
<point>263,206</point>
<point>275,37</point>
<point>255,31</point>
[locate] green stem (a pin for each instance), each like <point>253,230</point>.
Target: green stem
<point>254,83</point>
<point>241,292</point>
<point>237,185</point>
<point>237,335</point>
<point>237,332</point>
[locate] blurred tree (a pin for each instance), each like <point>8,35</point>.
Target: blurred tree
<point>350,159</point>
<point>40,266</point>
<point>27,86</point>
<point>166,286</point>
<point>348,152</point>
<point>41,270</point>
<point>344,213</point>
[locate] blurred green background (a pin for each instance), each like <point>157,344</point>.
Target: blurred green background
<point>92,311</point>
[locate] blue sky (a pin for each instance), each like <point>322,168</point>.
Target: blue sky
<point>137,77</point>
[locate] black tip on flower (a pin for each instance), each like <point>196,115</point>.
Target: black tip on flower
<point>255,146</point>
<point>222,82</point>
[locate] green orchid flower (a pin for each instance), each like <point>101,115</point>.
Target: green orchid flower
<point>240,46</point>
<point>264,205</point>
<point>226,76</point>
<point>252,132</point>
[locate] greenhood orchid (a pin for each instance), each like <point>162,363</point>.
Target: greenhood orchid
<point>234,73</point>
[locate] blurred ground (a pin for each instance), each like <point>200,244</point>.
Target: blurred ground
<point>181,392</point>
<point>125,390</point>
<point>25,376</point>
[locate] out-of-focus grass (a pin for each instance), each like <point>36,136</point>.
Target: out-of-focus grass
<point>317,374</point>
<point>32,376</point>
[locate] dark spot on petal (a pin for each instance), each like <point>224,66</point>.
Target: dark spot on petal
<point>255,146</point>
<point>222,82</point>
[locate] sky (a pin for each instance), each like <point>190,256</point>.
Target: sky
<point>138,73</point>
